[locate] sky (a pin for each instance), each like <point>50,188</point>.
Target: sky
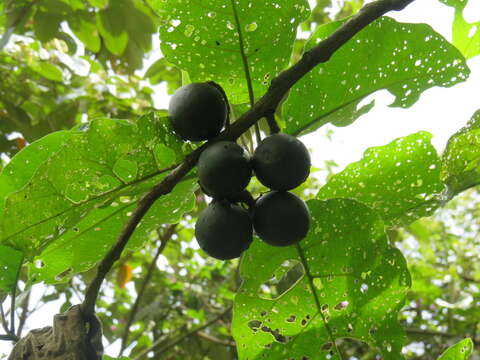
<point>440,111</point>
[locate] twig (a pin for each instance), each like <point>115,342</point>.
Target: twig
<point>265,105</point>
<point>215,339</point>
<point>182,337</point>
<point>4,319</point>
<point>272,123</point>
<point>164,240</point>
<point>23,316</point>
<point>9,337</point>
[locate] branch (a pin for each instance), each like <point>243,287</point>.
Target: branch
<point>182,337</point>
<point>413,331</point>
<point>214,339</point>
<point>265,105</point>
<point>164,240</point>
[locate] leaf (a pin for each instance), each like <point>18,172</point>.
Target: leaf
<point>204,40</point>
<point>461,159</point>
<point>84,27</point>
<point>460,351</point>
<point>80,248</point>
<point>405,59</point>
<point>110,26</point>
<point>21,168</point>
<point>101,4</point>
<point>81,176</point>
<point>46,25</point>
<point>400,180</point>
<point>352,284</point>
<point>10,263</point>
<point>466,36</point>
<point>162,70</point>
<point>47,70</point>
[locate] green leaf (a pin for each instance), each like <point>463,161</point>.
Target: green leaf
<point>47,70</point>
<point>162,70</point>
<point>21,168</point>
<point>10,263</point>
<point>101,4</point>
<point>460,351</point>
<point>82,247</point>
<point>405,59</point>
<point>84,27</point>
<point>46,25</point>
<point>204,40</point>
<point>461,159</point>
<point>350,282</point>
<point>110,26</point>
<point>401,180</point>
<point>85,174</point>
<point>466,36</point>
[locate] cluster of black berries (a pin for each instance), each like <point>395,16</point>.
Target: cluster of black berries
<point>281,162</point>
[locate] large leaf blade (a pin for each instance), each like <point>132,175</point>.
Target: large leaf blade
<point>203,38</point>
<point>460,351</point>
<point>84,174</point>
<point>405,59</point>
<point>357,295</point>
<point>400,180</point>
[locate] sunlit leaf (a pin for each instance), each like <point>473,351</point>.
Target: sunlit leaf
<point>204,39</point>
<point>460,351</point>
<point>405,59</point>
<point>100,162</point>
<point>461,159</point>
<point>401,180</point>
<point>47,70</point>
<point>80,248</point>
<point>466,36</point>
<point>350,282</point>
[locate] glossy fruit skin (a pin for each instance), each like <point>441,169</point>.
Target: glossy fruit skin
<point>281,218</point>
<point>281,162</point>
<point>224,230</point>
<point>198,111</point>
<point>224,169</point>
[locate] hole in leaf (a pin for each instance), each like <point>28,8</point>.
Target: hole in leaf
<point>283,279</point>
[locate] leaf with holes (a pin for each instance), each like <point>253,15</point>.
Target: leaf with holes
<point>99,163</point>
<point>80,248</point>
<point>343,280</point>
<point>461,159</point>
<point>401,180</point>
<point>460,351</point>
<point>405,59</point>
<point>209,40</point>
<point>466,36</point>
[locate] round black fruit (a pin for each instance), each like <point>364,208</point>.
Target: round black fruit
<point>198,111</point>
<point>281,218</point>
<point>224,230</point>
<point>281,162</point>
<point>224,169</point>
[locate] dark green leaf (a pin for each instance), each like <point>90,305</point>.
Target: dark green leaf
<point>401,180</point>
<point>405,59</point>
<point>349,282</point>
<point>46,25</point>
<point>203,39</point>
